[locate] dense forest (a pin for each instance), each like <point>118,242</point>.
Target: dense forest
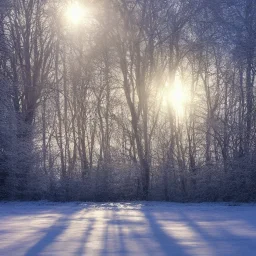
<point>128,100</point>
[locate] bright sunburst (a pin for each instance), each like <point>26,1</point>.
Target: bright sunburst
<point>75,13</point>
<point>176,96</point>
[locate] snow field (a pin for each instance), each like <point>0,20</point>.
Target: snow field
<point>149,228</point>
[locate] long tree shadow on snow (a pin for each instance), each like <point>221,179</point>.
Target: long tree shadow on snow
<point>52,233</point>
<point>224,237</point>
<point>113,233</point>
<point>168,245</point>
<point>85,237</point>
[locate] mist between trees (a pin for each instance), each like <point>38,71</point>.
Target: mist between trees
<point>88,108</point>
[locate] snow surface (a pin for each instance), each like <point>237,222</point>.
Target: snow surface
<point>148,228</point>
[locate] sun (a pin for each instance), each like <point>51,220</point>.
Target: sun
<point>75,13</point>
<point>176,96</point>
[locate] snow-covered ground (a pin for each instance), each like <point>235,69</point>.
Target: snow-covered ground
<point>138,229</point>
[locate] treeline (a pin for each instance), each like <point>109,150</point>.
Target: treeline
<point>86,111</point>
